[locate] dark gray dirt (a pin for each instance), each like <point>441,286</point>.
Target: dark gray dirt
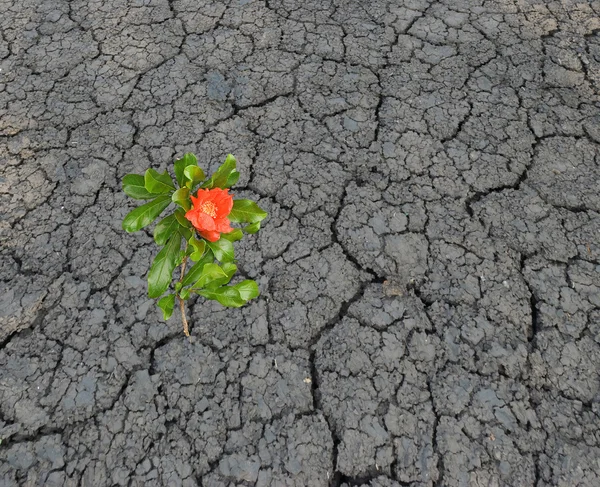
<point>430,268</point>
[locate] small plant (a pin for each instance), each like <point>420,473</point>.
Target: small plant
<point>202,223</point>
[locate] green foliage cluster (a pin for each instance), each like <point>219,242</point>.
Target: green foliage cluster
<point>213,262</point>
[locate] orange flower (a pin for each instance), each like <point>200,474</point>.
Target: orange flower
<point>209,213</point>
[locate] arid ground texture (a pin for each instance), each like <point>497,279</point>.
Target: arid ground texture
<point>429,270</point>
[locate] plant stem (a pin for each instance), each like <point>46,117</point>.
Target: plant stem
<point>186,330</point>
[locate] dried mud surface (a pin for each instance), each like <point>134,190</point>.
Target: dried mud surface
<point>430,269</point>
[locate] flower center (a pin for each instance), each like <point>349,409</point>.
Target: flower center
<point>209,208</point>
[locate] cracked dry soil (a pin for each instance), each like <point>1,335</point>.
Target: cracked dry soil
<point>430,270</point>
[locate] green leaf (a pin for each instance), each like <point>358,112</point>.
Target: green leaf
<point>213,275</point>
<point>248,289</point>
<point>188,159</point>
<point>183,221</point>
<point>198,247</point>
<point>228,269</point>
<point>185,232</point>
<point>164,229</point>
<point>184,294</point>
<point>180,257</point>
<point>252,228</point>
<point>195,271</point>
<point>233,178</point>
<point>161,271</point>
<point>158,183</point>
<point>233,236</point>
<point>134,187</point>
<point>223,250</point>
<point>143,215</point>
<point>228,296</point>
<point>182,198</point>
<point>246,211</point>
<point>194,175</point>
<point>166,304</point>
<point>221,177</point>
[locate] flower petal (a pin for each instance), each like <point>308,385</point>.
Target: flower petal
<point>200,220</point>
<point>223,225</point>
<point>211,236</point>
<point>195,201</point>
<point>202,195</point>
<point>225,206</point>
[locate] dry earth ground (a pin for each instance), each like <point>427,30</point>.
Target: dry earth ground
<point>430,270</point>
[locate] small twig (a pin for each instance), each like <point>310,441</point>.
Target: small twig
<point>186,330</point>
